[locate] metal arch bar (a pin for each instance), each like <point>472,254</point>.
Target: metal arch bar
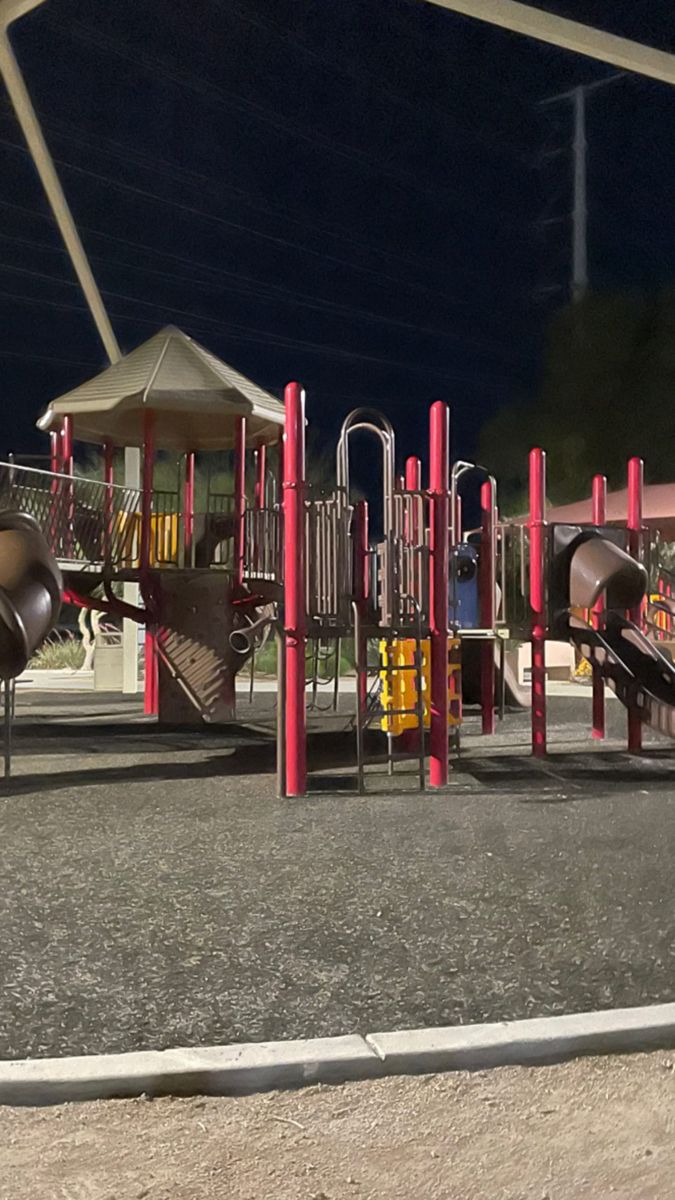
<point>370,420</point>
<point>568,35</point>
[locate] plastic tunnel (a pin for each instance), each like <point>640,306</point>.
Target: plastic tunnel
<point>31,587</point>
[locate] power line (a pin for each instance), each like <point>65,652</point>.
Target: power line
<point>259,112</point>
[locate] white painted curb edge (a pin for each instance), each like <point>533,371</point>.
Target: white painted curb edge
<point>260,1066</point>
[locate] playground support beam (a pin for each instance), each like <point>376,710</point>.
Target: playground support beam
<point>568,35</point>
<point>239,498</point>
<point>54,452</point>
<point>362,589</point>
<point>439,521</point>
<point>147,486</point>
<point>188,506</point>
<point>295,616</point>
<point>487,584</point>
<point>150,695</point>
<point>634,526</point>
<point>67,469</point>
<point>108,479</point>
<point>260,476</point>
<point>599,517</point>
<point>537,525</point>
<point>413,474</point>
<point>413,483</point>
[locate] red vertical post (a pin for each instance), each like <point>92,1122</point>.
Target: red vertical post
<point>413,483</point>
<point>188,506</point>
<point>486,586</point>
<point>295,616</point>
<point>67,469</point>
<point>634,527</point>
<point>538,598</point>
<point>147,480</point>
<point>151,688</point>
<point>147,484</point>
<point>54,452</point>
<point>361,585</point>
<point>413,474</point>
<point>260,476</point>
<point>67,446</point>
<point>55,467</point>
<point>108,479</point>
<point>439,499</point>
<point>239,498</point>
<point>599,517</point>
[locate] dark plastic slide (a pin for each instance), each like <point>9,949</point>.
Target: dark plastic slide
<point>31,588</point>
<point>642,677</point>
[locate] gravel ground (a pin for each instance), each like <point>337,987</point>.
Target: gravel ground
<point>155,893</point>
<point>595,1127</point>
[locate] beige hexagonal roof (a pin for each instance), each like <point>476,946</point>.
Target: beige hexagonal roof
<point>194,395</point>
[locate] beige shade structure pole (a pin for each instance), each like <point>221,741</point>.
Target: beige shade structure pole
<point>568,35</point>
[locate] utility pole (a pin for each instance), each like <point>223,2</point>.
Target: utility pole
<point>579,256</point>
<point>580,206</point>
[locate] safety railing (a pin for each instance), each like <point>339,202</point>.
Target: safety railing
<point>84,520</point>
<point>262,544</point>
<point>403,563</point>
<point>513,556</point>
<point>329,557</point>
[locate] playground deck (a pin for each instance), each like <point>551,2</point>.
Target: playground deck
<point>156,893</point>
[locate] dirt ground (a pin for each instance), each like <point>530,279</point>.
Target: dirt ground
<point>594,1127</point>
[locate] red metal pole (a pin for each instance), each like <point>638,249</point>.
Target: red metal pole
<point>361,584</point>
<point>413,474</point>
<point>151,689</point>
<point>147,482</point>
<point>189,506</point>
<point>260,476</point>
<point>108,479</point>
<point>67,469</point>
<point>239,498</point>
<point>538,598</point>
<point>599,518</point>
<point>67,446</point>
<point>439,467</point>
<point>486,584</point>
<point>295,617</point>
<point>54,452</point>
<point>55,467</point>
<point>147,486</point>
<point>634,527</point>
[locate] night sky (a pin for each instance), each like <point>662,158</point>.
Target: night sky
<point>366,196</point>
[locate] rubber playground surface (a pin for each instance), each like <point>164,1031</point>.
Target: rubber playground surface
<point>156,893</point>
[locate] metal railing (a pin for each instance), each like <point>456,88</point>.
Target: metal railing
<point>84,520</point>
<point>329,557</point>
<point>513,556</point>
<point>403,563</point>
<point>262,548</point>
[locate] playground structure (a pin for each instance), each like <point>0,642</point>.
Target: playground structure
<point>275,553</point>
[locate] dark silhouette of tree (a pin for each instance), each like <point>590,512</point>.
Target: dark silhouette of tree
<point>608,391</point>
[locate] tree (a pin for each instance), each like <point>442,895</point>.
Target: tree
<point>608,392</point>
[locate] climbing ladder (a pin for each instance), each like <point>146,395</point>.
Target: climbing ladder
<point>369,708</point>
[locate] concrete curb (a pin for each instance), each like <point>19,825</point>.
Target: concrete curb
<point>260,1066</point>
